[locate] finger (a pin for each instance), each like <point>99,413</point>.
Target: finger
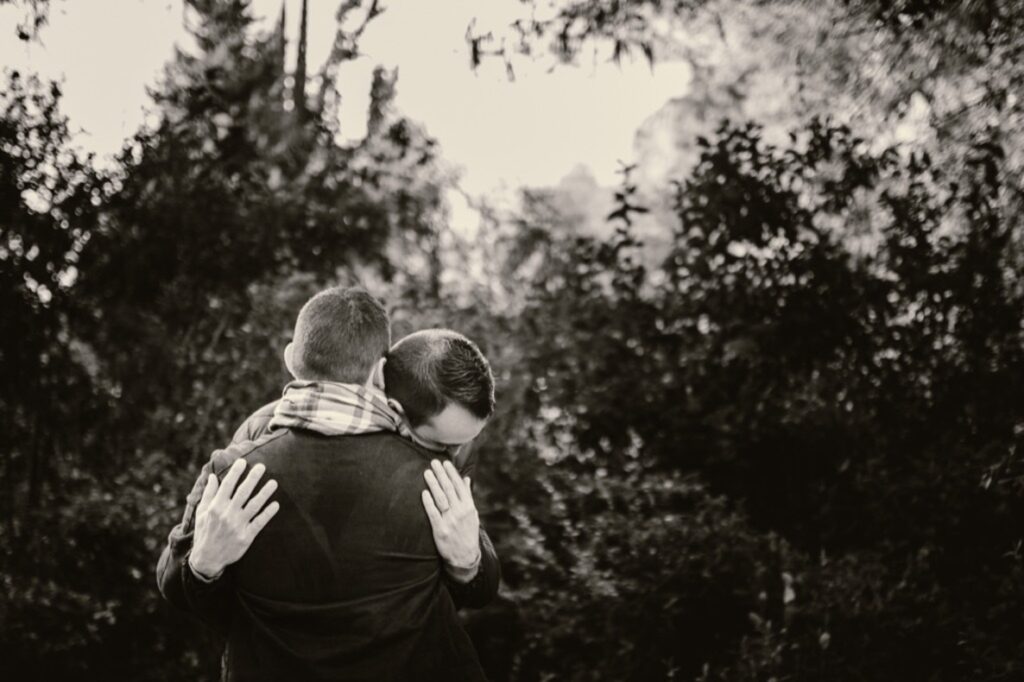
<point>260,499</point>
<point>445,481</point>
<point>208,492</point>
<point>453,475</point>
<point>263,519</point>
<point>227,484</point>
<point>435,489</point>
<point>248,484</point>
<point>432,512</point>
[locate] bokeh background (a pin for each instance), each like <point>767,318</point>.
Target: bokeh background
<point>760,385</point>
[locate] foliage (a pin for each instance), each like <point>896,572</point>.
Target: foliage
<point>144,314</point>
<point>237,187</point>
<point>36,15</point>
<point>789,449</point>
<point>854,396</point>
<point>48,200</point>
<point>78,592</point>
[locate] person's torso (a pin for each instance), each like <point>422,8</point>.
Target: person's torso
<point>345,581</point>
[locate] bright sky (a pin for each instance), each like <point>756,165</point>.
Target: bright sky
<point>501,134</point>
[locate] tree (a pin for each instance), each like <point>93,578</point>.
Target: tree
<point>854,402</point>
<point>158,298</point>
<point>48,195</point>
<point>240,184</point>
<point>36,14</point>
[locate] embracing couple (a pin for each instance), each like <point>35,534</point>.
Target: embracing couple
<point>350,560</point>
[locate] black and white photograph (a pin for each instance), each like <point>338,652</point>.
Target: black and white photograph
<point>512,340</point>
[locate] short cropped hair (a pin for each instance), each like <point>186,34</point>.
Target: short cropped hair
<point>430,369</point>
<point>340,334</point>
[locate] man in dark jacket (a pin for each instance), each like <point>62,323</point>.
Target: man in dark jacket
<point>359,574</point>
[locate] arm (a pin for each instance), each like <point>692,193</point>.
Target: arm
<point>172,574</point>
<point>177,583</point>
<point>215,532</point>
<point>483,587</point>
<point>472,572</point>
<point>179,542</point>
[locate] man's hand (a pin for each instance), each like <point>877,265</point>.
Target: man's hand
<point>227,521</point>
<point>453,519</point>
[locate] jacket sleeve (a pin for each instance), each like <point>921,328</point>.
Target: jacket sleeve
<point>211,601</point>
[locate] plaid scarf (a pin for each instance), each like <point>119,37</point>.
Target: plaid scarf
<point>335,409</point>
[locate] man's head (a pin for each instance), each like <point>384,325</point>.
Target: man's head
<point>340,335</point>
<point>442,384</point>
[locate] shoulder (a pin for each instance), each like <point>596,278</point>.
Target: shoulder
<point>385,457</point>
<point>222,459</point>
<point>256,424</point>
<point>404,448</point>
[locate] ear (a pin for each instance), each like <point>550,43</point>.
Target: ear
<point>397,407</point>
<point>289,361</point>
<point>377,375</point>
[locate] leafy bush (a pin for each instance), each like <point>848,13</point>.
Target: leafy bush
<point>832,344</point>
<point>787,448</point>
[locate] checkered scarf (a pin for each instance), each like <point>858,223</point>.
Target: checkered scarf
<point>335,409</point>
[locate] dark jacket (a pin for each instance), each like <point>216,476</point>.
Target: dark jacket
<point>345,583</point>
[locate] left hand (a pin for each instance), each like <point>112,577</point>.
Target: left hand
<point>453,519</point>
<point>227,520</point>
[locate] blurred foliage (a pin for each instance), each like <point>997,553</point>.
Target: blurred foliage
<point>145,309</point>
<point>858,403</point>
<point>875,58</point>
<point>36,14</point>
<point>790,448</point>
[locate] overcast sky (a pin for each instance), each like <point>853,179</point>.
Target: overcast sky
<point>501,134</point>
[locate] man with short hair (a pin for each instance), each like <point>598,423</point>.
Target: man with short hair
<point>340,334</point>
<point>432,379</point>
<point>347,582</point>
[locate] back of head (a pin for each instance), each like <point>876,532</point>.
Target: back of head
<point>430,369</point>
<point>340,334</point>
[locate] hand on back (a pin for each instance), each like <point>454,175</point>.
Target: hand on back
<point>453,519</point>
<point>227,520</point>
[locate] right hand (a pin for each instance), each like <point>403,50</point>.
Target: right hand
<point>227,521</point>
<point>453,519</point>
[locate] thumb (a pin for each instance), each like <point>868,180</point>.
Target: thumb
<point>208,492</point>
